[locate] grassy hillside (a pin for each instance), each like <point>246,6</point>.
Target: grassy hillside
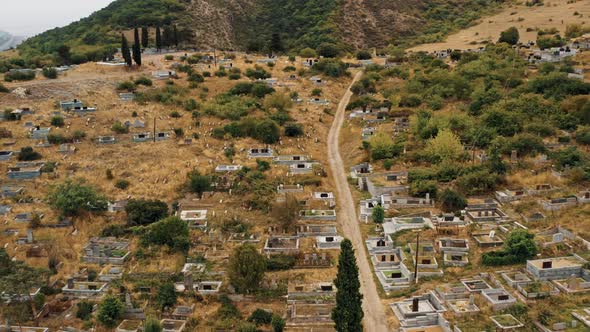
<point>95,36</point>
<point>251,24</point>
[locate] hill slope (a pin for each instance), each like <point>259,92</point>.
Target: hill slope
<point>249,24</point>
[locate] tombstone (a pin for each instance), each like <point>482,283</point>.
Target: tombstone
<point>188,282</point>
<point>29,235</point>
<point>415,303</point>
<point>558,237</point>
<point>492,234</point>
<point>471,300</point>
<point>128,302</point>
<point>70,283</point>
<point>514,156</point>
<point>559,326</point>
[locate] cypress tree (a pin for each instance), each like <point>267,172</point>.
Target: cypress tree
<point>136,47</point>
<point>158,39</point>
<point>167,36</point>
<point>175,36</point>
<point>145,37</point>
<point>348,313</point>
<point>125,50</point>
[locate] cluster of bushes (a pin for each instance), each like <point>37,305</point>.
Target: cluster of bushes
<point>330,67</point>
<point>518,247</point>
<point>265,130</point>
<point>172,232</point>
<point>19,75</point>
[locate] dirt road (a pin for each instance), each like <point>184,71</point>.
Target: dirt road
<point>375,319</point>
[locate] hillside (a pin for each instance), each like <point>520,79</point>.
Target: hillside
<point>7,40</point>
<point>250,24</point>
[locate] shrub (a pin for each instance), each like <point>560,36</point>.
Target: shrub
<point>126,86</point>
<point>73,197</point>
<point>3,89</point>
<point>316,92</point>
<point>190,105</point>
<point>199,183</point>
<point>142,80</point>
<point>258,73</point>
<point>280,262</point>
<point>172,232</point>
<point>57,121</point>
<point>28,154</point>
<point>583,135</point>
<point>25,75</point>
<point>166,295</point>
<point>330,67</point>
<point>328,50</point>
<point>56,139</point>
<point>363,55</point>
<point>293,130</point>
<point>410,101</point>
<point>175,114</point>
<point>278,323</point>
<point>50,73</point>
<point>110,311</point>
<point>168,57</point>
<point>144,212</point>
<point>451,201</point>
<point>509,36</point>
<point>119,128</point>
<point>308,53</point>
<point>84,311</point>
<point>196,77</point>
<point>122,184</point>
<point>260,317</point>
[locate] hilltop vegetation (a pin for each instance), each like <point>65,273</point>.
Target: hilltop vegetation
<point>260,25</point>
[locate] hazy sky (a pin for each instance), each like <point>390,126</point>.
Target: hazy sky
<point>30,17</point>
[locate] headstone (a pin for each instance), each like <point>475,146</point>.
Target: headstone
<point>492,234</point>
<point>558,237</point>
<point>415,303</point>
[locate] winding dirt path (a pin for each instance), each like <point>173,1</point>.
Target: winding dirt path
<point>375,319</point>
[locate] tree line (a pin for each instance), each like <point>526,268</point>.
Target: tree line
<point>165,37</point>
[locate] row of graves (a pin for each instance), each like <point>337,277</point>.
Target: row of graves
<point>496,292</point>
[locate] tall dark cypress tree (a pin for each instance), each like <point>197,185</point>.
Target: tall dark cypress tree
<point>175,36</point>
<point>125,50</point>
<point>167,37</point>
<point>145,40</point>
<point>158,38</point>
<point>136,47</point>
<point>348,313</point>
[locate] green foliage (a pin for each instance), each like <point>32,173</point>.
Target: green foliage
<point>363,55</point>
<point>478,182</point>
<point>166,295</point>
<point>199,183</point>
<point>110,311</point>
<point>277,323</point>
<point>348,312</point>
<point>28,154</point>
<point>518,247</point>
<point>509,36</point>
<point>152,325</point>
<point>50,73</point>
<point>171,231</point>
<point>280,262</point>
<point>378,214</point>
<point>57,121</point>
<point>73,197</point>
<point>19,75</point>
<point>330,67</point>
<point>84,310</point>
<point>545,42</point>
<point>257,73</point>
<point>558,85</point>
<point>3,89</point>
<point>246,268</point>
<point>293,130</point>
<point>144,212</point>
<point>142,80</point>
<point>328,50</point>
<point>260,317</point>
<point>119,128</point>
<point>126,86</point>
<point>451,201</point>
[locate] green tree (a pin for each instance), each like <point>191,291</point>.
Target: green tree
<point>348,312</point>
<point>166,296</point>
<point>110,311</point>
<point>125,52</point>
<point>152,325</point>
<point>277,323</point>
<point>521,243</point>
<point>144,212</point>
<point>199,183</point>
<point>136,47</point>
<point>171,231</point>
<point>451,201</point>
<point>63,52</point>
<point>175,37</point>
<point>328,50</point>
<point>84,311</point>
<point>446,146</point>
<point>509,36</point>
<point>378,214</point>
<point>57,121</point>
<point>276,45</point>
<point>308,53</point>
<point>74,197</point>
<point>28,154</point>
<point>246,268</point>
<point>145,40</point>
<point>17,279</point>
<point>158,39</point>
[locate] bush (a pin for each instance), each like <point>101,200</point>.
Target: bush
<point>293,130</point>
<point>509,36</point>
<point>166,295</point>
<point>84,311</point>
<point>328,50</point>
<point>260,317</point>
<point>57,121</point>
<point>583,135</point>
<point>28,154</point>
<point>308,53</point>
<point>142,80</point>
<point>50,73</point>
<point>144,212</point>
<point>26,75</point>
<point>119,128</point>
<point>363,55</point>
<point>172,232</point>
<point>74,197</point>
<point>330,67</point>
<point>122,184</point>
<point>258,73</point>
<point>169,57</point>
<point>278,323</point>
<point>479,182</point>
<point>452,201</point>
<point>126,86</point>
<point>3,89</point>
<point>110,311</point>
<point>280,262</point>
<point>410,101</point>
